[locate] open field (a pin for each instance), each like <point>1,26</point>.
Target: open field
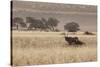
<point>34,48</point>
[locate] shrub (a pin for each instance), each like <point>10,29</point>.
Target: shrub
<point>88,33</point>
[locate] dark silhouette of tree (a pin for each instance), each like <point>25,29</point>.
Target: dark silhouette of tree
<point>52,23</point>
<point>72,27</point>
<point>45,24</point>
<point>23,24</point>
<point>13,23</point>
<point>39,24</point>
<point>34,23</point>
<point>30,22</point>
<point>42,24</point>
<point>17,21</point>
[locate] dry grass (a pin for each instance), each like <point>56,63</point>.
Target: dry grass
<point>35,48</point>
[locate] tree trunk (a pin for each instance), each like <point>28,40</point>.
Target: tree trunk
<point>17,26</point>
<point>53,28</point>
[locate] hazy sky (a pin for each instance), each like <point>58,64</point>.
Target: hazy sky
<point>85,15</point>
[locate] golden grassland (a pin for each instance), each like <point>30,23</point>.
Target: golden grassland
<point>34,48</point>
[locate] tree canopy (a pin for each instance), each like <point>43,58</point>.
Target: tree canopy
<point>18,21</point>
<point>72,27</point>
<point>32,23</point>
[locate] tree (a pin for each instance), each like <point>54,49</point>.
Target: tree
<point>52,23</point>
<point>17,21</point>
<point>72,27</point>
<point>23,24</point>
<point>30,22</point>
<point>34,23</point>
<point>45,24</point>
<point>39,24</point>
<point>42,24</point>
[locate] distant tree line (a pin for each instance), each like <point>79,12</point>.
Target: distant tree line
<point>42,24</point>
<point>31,23</point>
